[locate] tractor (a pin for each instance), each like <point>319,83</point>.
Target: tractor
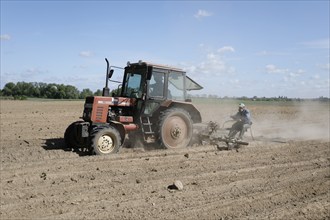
<point>150,106</point>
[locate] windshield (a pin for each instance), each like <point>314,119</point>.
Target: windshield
<point>132,85</point>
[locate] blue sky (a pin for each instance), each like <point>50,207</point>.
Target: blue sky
<point>232,48</point>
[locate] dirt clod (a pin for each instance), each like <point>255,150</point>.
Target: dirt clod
<point>177,185</point>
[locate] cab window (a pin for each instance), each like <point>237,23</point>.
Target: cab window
<point>157,85</point>
<point>176,86</point>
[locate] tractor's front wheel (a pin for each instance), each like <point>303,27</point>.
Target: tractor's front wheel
<point>105,141</point>
<point>175,128</point>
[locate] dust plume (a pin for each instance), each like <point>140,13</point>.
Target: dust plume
<point>300,121</point>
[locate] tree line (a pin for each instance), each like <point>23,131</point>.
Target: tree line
<point>23,90</point>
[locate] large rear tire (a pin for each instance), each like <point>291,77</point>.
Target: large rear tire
<point>175,128</point>
<point>105,141</point>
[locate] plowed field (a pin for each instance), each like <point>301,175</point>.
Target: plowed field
<point>283,174</point>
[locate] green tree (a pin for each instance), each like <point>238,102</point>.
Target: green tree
<point>8,89</point>
<point>71,92</point>
<point>85,93</point>
<point>22,90</point>
<point>117,92</point>
<point>42,87</point>
<point>98,92</point>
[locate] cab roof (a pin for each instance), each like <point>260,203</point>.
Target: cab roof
<point>190,84</point>
<point>160,66</point>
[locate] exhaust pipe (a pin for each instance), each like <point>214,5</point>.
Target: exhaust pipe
<point>106,90</point>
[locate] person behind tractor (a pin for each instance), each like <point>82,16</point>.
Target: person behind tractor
<point>243,122</point>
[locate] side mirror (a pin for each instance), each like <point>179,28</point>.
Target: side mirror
<point>110,73</point>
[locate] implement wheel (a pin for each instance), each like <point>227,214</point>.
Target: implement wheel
<point>175,128</point>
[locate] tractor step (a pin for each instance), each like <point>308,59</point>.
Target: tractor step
<point>146,126</point>
<point>150,132</point>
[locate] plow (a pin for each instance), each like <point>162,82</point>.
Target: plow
<point>215,135</point>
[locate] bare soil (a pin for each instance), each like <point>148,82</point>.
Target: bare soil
<point>282,174</point>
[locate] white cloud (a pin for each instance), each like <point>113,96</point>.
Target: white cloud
<point>318,44</point>
<point>288,75</point>
<point>212,65</point>
<point>226,49</point>
<point>202,13</point>
<point>5,37</point>
<point>32,74</point>
<point>80,66</point>
<point>271,53</point>
<point>294,74</point>
<point>33,71</point>
<point>317,76</point>
<point>273,69</point>
<point>85,54</point>
<point>325,67</point>
<point>262,53</point>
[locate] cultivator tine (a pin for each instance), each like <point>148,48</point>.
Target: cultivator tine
<point>251,134</point>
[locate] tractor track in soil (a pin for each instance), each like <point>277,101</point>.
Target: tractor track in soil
<point>275,177</point>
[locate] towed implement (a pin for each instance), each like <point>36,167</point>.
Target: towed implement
<point>214,135</point>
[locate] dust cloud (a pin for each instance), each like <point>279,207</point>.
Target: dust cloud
<point>301,121</point>
<point>276,120</point>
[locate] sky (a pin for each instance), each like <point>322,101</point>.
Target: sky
<point>231,48</point>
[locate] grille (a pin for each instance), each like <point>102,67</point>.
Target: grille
<point>99,112</point>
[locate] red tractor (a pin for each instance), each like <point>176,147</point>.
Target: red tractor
<point>150,106</point>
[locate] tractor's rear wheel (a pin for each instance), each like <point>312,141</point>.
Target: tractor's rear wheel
<point>105,141</point>
<point>71,137</point>
<point>175,128</point>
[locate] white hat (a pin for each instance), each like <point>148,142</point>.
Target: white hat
<point>241,105</point>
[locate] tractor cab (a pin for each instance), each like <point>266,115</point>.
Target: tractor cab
<point>153,81</point>
<point>155,84</point>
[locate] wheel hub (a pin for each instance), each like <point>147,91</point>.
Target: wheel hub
<point>176,132</point>
<point>105,143</point>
